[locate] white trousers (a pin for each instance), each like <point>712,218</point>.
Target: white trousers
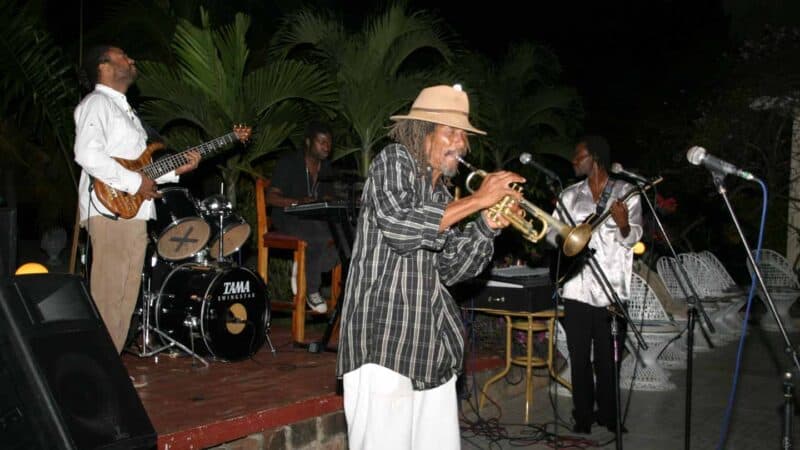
<point>384,412</point>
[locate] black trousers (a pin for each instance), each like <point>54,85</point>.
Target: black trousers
<point>321,254</point>
<point>589,327</point>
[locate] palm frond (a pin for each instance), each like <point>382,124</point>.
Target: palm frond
<point>366,63</point>
<point>306,28</point>
<point>35,72</point>
<point>233,52</point>
<point>197,58</point>
<point>284,80</point>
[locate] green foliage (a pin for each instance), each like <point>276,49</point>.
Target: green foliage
<point>373,67</point>
<point>37,95</point>
<point>280,278</point>
<point>521,105</point>
<point>211,87</point>
<point>37,82</point>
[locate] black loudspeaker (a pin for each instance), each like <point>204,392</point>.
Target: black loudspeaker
<point>8,241</point>
<point>62,383</point>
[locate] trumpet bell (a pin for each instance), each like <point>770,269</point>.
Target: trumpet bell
<point>576,239</point>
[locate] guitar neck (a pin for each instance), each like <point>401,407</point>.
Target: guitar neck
<point>167,164</point>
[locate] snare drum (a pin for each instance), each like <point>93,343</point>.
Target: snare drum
<point>180,231</point>
<point>227,228</point>
<point>219,311</point>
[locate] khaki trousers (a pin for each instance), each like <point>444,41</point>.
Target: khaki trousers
<point>118,249</point>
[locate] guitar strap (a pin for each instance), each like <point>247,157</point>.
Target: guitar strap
<point>601,203</point>
<point>574,264</point>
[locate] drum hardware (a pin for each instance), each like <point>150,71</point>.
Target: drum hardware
<point>147,349</point>
<point>229,231</point>
<point>201,257</point>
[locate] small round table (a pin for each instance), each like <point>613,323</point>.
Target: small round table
<point>530,322</point>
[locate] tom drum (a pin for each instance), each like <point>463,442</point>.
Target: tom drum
<point>180,230</point>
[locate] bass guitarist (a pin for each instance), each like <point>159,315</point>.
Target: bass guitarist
<point>106,128</point>
<point>587,318</point>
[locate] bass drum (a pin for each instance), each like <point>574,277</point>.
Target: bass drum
<point>219,311</point>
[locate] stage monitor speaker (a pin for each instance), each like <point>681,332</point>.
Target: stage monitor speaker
<point>62,383</point>
<point>8,241</point>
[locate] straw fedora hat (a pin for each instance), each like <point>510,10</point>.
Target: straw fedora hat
<point>446,105</point>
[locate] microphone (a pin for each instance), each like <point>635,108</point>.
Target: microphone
<point>698,155</point>
<point>617,169</point>
<point>527,160</point>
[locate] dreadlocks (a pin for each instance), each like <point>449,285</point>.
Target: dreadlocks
<point>411,134</point>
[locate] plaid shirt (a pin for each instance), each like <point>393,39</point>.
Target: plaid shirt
<point>397,312</point>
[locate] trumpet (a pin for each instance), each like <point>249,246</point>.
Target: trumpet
<point>575,238</point>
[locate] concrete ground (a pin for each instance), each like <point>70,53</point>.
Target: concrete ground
<point>655,420</point>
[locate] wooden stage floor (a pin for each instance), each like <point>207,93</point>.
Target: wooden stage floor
<point>192,406</point>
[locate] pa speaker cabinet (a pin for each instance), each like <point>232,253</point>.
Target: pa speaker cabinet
<point>62,383</point>
<point>8,241</point>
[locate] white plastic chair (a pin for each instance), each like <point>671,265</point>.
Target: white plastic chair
<point>678,288</point>
<point>776,270</point>
<point>676,310</point>
<point>566,374</point>
<point>709,286</point>
<point>722,285</point>
<point>783,288</point>
<point>658,330</point>
<point>724,276</point>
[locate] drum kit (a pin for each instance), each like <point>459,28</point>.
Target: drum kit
<point>194,297</point>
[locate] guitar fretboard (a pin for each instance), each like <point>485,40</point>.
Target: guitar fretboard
<point>172,162</point>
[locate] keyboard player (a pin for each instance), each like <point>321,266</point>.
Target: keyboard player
<point>296,179</point>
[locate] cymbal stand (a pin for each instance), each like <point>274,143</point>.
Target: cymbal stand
<point>146,327</point>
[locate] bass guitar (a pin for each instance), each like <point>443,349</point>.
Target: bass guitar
<point>570,266</point>
<point>126,205</point>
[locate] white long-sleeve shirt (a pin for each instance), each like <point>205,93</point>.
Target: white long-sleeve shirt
<point>106,127</point>
<point>613,252</point>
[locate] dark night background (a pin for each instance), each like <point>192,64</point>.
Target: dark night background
<point>654,77</point>
<point>625,58</point>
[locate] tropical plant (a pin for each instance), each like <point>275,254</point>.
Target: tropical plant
<point>521,104</point>
<point>38,87</point>
<point>211,87</point>
<point>373,67</point>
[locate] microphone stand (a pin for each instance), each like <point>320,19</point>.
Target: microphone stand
<point>551,183</point>
<point>608,290</point>
<point>790,349</point>
<point>693,305</point>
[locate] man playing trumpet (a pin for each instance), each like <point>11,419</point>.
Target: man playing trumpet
<point>401,345</point>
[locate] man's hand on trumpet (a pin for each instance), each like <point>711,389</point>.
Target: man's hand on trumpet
<point>495,187</point>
